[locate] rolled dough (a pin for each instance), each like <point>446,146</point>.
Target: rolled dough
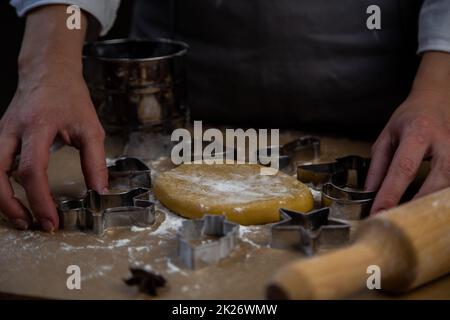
<point>238,191</point>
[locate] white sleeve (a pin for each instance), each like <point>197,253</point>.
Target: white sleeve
<point>103,10</point>
<point>434,26</point>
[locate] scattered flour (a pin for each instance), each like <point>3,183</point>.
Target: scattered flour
<point>170,225</point>
<point>251,242</point>
<point>138,229</point>
<point>115,244</point>
<point>136,255</point>
<point>172,268</point>
<point>244,231</point>
<point>99,272</point>
<point>121,242</point>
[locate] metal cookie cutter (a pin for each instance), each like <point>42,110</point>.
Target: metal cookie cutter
<point>341,183</point>
<point>346,203</point>
<point>206,241</point>
<point>98,212</point>
<point>308,231</point>
<point>129,173</point>
<point>301,150</point>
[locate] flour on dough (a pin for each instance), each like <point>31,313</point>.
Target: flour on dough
<point>238,191</point>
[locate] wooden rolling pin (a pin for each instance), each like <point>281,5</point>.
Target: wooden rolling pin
<point>410,244</point>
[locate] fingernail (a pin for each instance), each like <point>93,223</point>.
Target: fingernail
<point>20,224</point>
<point>47,225</point>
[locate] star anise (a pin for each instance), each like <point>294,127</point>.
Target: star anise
<point>146,281</point>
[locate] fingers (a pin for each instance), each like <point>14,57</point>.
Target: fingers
<point>439,177</point>
<point>33,175</point>
<point>382,152</point>
<point>93,162</point>
<point>401,172</point>
<point>9,205</point>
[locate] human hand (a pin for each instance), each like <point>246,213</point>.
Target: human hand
<point>51,100</point>
<point>419,128</point>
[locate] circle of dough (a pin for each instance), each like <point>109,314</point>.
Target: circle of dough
<point>237,191</point>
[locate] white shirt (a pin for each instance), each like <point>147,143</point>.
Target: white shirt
<point>103,10</point>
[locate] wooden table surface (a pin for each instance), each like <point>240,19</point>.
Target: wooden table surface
<point>33,264</point>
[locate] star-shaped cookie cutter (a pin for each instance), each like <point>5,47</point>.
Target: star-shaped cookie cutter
<point>97,212</point>
<point>206,241</point>
<point>308,231</point>
<point>342,186</point>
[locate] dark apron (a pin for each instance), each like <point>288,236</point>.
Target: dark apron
<point>304,64</point>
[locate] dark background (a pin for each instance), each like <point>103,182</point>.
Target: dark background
<point>11,31</point>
